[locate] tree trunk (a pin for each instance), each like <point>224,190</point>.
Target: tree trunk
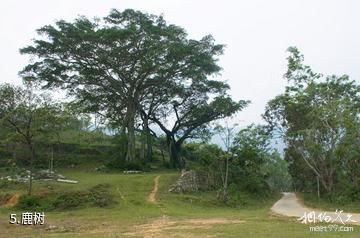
<point>226,177</point>
<point>328,183</point>
<point>174,153</point>
<point>148,140</point>
<point>32,158</point>
<point>142,151</point>
<point>327,179</point>
<point>318,186</point>
<point>143,144</point>
<point>222,193</point>
<point>149,150</point>
<point>130,152</point>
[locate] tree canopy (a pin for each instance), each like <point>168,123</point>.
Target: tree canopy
<point>318,116</point>
<point>29,118</point>
<point>132,66</point>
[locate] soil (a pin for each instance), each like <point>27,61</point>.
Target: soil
<point>12,201</point>
<point>152,195</point>
<point>166,227</point>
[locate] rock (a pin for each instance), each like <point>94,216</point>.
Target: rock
<point>51,227</point>
<point>188,182</point>
<point>67,181</point>
<point>132,172</point>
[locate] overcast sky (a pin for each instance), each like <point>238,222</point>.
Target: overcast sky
<point>256,35</point>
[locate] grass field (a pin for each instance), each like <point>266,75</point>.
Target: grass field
<point>174,215</point>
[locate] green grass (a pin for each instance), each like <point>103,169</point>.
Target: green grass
<point>324,203</point>
<point>126,218</point>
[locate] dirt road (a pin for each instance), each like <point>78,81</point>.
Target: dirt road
<point>289,205</point>
<point>152,195</point>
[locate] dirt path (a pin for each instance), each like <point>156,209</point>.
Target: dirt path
<point>165,227</point>
<point>289,205</point>
<point>12,201</point>
<point>152,195</point>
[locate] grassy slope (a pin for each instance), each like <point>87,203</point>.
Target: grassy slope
<point>132,209</point>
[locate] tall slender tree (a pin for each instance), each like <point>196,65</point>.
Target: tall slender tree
<point>30,117</point>
<point>316,114</point>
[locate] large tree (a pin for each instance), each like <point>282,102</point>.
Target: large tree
<point>318,116</point>
<point>191,111</point>
<point>115,62</point>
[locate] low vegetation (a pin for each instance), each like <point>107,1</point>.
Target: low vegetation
<point>196,214</point>
<point>331,202</point>
<point>98,196</point>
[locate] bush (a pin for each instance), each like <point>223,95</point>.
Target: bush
<point>98,196</point>
<point>242,197</point>
<point>354,194</point>
<point>347,195</point>
<point>101,196</point>
<point>27,202</point>
<point>71,200</point>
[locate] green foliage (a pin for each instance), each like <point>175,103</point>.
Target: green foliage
<point>30,118</point>
<point>118,152</point>
<point>131,63</point>
<point>205,159</point>
<point>276,172</point>
<point>101,195</point>
<point>26,202</point>
<point>318,118</point>
<point>98,196</point>
<point>240,197</point>
<point>251,151</point>
<point>201,152</point>
<point>71,199</point>
<point>252,219</point>
<point>253,167</point>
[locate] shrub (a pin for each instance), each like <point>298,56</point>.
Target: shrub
<point>354,194</point>
<point>347,195</point>
<point>27,202</point>
<point>101,196</point>
<point>242,197</point>
<point>73,199</point>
